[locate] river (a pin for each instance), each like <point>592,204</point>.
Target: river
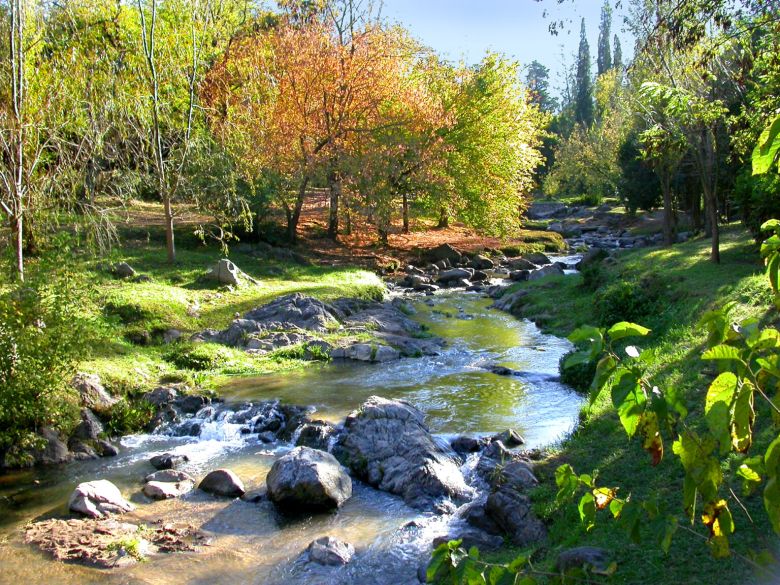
<point>250,542</point>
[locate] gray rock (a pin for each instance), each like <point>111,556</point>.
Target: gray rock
<point>225,272</point>
<point>97,499</point>
<point>510,302</point>
<point>330,551</point>
<point>442,253</point>
<point>477,516</point>
<point>471,536</point>
<point>581,556</point>
<point>512,512</point>
<point>454,275</point>
<point>222,482</point>
<point>122,270</point>
<point>169,475</point>
<point>299,311</point>
<point>464,444</point>
<point>93,394</point>
<point>517,475</point>
<point>315,434</point>
<point>168,461</point>
<point>520,264</point>
<point>171,335</point>
<point>510,438</point>
<point>191,404</point>
<point>81,451</point>
<point>53,451</point>
<point>386,354</point>
<point>386,443</point>
<point>89,427</point>
<point>106,449</point>
<point>549,270</point>
<point>306,479</point>
<point>481,262</point>
<point>164,490</point>
<point>161,396</point>
<point>538,258</point>
<point>497,451</point>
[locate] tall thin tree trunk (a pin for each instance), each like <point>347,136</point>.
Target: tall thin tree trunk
<point>444,219</point>
<point>295,216</point>
<point>334,185</point>
<point>668,221</point>
<point>18,96</point>
<point>406,212</point>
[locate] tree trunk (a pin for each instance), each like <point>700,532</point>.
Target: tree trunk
<point>444,219</point>
<point>169,241</point>
<point>712,212</point>
<point>334,185</point>
<point>668,221</point>
<point>347,218</point>
<point>696,215</point>
<point>292,219</point>
<point>406,212</point>
<point>17,227</point>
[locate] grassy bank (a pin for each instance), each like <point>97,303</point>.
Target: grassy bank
<point>667,290</point>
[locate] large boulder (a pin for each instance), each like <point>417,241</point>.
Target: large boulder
<point>444,252</point>
<point>330,551</point>
<point>222,482</point>
<point>315,434</point>
<point>168,461</point>
<point>520,264</point>
<point>225,272</point>
<point>454,275</point>
<point>52,450</point>
<point>538,258</point>
<point>481,262</point>
<point>164,490</point>
<point>512,512</point>
<point>97,499</point>
<point>297,310</point>
<point>386,443</point>
<point>306,479</point>
<point>89,427</point>
<point>122,270</point>
<point>93,394</point>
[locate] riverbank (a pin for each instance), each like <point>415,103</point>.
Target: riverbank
<point>668,290</point>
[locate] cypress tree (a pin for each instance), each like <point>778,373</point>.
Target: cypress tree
<point>617,58</point>
<point>583,83</point>
<point>604,57</point>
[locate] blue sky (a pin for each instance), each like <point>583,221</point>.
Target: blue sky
<point>465,29</point>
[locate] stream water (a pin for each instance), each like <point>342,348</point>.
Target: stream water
<point>251,543</point>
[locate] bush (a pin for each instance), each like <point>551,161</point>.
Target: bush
<point>758,198</point>
<point>129,416</point>
<point>43,335</point>
<point>633,301</point>
<point>578,376</point>
<point>198,356</point>
<point>126,312</point>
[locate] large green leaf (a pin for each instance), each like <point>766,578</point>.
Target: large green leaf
<point>717,408</point>
<point>626,329</point>
<point>765,152</point>
<point>742,418</point>
<point>772,502</point>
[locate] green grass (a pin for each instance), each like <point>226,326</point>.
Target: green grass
<point>179,297</point>
<point>690,286</point>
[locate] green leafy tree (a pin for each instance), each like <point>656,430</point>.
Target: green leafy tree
<point>583,82</point>
<point>604,55</point>
<point>617,54</point>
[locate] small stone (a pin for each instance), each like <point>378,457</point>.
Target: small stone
<point>168,461</point>
<point>464,444</point>
<point>123,270</point>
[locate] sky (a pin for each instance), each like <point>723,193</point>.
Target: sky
<point>466,29</point>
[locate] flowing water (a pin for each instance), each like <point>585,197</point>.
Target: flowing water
<point>250,542</point>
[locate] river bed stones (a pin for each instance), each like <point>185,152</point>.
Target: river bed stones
<point>92,393</point>
<point>98,499</point>
<point>222,482</point>
<point>330,551</point>
<point>386,444</point>
<point>308,479</point>
<point>168,461</point>
<point>164,490</point>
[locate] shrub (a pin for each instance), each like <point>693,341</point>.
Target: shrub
<point>198,356</point>
<point>578,376</point>
<point>126,312</point>
<point>633,301</point>
<point>129,416</point>
<point>758,198</point>
<point>42,337</point>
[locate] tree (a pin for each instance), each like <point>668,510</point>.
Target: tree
<point>604,56</point>
<point>583,112</point>
<point>537,80</point>
<point>617,56</point>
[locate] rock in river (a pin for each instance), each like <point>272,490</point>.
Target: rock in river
<point>168,461</point>
<point>306,478</point>
<point>97,499</point>
<point>163,490</point>
<point>330,551</point>
<point>386,443</point>
<point>223,482</point>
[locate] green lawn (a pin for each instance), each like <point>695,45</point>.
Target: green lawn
<point>686,284</point>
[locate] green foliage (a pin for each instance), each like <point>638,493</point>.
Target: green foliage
<point>129,416</point>
<point>632,300</point>
<point>198,356</point>
<point>758,198</point>
<point>43,336</point>
<point>767,151</point>
<point>746,390</point>
<point>577,375</point>
<point>638,186</point>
